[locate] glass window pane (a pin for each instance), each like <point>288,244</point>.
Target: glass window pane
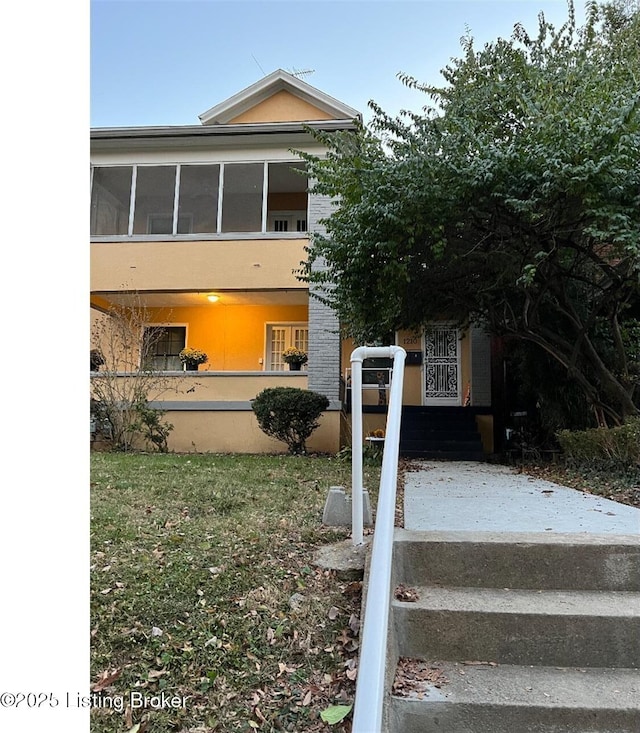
<point>287,197</point>
<point>277,345</point>
<point>242,197</point>
<point>110,197</point>
<point>198,203</point>
<point>155,191</point>
<point>161,347</point>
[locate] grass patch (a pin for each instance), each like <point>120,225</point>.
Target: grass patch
<point>202,588</point>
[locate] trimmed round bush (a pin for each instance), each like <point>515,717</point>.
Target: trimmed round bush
<point>289,414</point>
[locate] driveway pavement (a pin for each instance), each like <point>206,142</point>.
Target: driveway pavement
<point>453,496</point>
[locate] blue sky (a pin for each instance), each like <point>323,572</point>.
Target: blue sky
<point>165,62</point>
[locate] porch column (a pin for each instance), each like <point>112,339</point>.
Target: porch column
<point>324,335</point>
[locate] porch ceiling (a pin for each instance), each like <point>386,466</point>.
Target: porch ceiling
<point>227,297</point>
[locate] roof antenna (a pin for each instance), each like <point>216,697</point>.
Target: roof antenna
<point>301,72</point>
<point>257,62</point>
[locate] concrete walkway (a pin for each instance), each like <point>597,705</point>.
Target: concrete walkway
<point>461,496</point>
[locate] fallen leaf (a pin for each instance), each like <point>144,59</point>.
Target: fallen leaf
<point>354,623</point>
<point>403,593</point>
<point>154,674</point>
<point>335,713</point>
<point>105,679</point>
<point>333,613</point>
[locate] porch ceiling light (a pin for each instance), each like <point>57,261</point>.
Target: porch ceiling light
<point>213,298</point>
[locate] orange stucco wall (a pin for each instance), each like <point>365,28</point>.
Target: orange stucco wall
<point>282,107</point>
<point>238,432</point>
<point>209,265</point>
<point>232,336</point>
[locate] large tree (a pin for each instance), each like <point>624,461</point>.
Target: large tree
<point>512,198</point>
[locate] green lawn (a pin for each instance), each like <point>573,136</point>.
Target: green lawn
<point>196,561</point>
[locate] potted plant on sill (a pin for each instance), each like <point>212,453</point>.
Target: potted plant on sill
<point>376,440</point>
<point>295,358</point>
<point>192,358</point>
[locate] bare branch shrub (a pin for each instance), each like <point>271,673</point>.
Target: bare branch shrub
<point>126,380</point>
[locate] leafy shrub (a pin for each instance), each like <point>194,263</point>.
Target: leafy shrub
<point>143,421</point>
<point>289,414</point>
<point>154,430</point>
<point>617,447</point>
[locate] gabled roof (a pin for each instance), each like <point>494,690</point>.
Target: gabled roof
<point>315,105</point>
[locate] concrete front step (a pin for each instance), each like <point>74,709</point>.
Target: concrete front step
<point>479,698</point>
<point>442,455</point>
<point>523,627</point>
<point>530,560</point>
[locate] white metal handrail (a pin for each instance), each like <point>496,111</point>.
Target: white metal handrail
<point>367,714</point>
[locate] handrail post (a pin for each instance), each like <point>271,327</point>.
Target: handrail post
<point>357,483</point>
<point>367,713</point>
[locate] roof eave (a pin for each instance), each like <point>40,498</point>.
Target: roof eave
<point>203,131</point>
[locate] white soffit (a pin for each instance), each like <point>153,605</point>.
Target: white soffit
<point>271,84</point>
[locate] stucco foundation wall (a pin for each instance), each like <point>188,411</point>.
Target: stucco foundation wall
<point>217,431</point>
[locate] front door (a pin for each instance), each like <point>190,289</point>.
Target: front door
<point>441,365</point>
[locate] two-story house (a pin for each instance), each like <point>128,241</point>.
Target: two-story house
<point>206,226</point>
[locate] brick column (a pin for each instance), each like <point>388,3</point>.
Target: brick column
<point>324,336</point>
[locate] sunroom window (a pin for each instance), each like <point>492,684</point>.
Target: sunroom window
<point>111,200</point>
<point>187,199</point>
<point>242,197</point>
<point>198,202</point>
<point>155,194</point>
<point>287,198</point>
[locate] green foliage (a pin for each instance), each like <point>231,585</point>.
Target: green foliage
<point>512,199</point>
<point>153,429</point>
<point>603,448</point>
<point>289,414</point>
<point>101,427</point>
<point>553,403</point>
<point>141,420</point>
<point>371,455</point>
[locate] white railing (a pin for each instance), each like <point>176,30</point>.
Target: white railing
<point>367,714</point>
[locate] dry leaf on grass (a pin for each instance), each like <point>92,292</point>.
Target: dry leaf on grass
<point>105,679</point>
